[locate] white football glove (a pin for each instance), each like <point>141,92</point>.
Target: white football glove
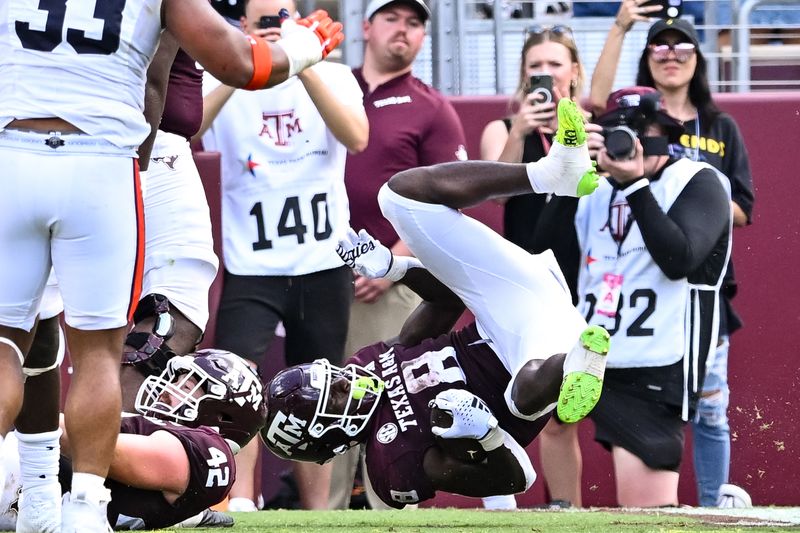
<point>472,418</point>
<point>309,40</point>
<point>369,258</point>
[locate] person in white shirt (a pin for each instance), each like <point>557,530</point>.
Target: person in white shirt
<point>284,206</point>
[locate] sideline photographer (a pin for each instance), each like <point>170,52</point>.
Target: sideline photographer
<point>652,244</point>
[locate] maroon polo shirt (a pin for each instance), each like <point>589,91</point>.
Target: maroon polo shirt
<point>410,125</point>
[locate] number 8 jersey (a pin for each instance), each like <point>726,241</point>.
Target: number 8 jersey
<point>84,61</point>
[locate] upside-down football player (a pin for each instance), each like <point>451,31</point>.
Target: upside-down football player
<point>499,378</point>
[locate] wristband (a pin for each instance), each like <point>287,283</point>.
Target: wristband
<point>262,63</point>
<point>399,265</point>
<point>493,439</point>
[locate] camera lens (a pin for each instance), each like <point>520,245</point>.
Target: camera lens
<point>620,142</point>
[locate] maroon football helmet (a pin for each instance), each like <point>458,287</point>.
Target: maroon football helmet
<point>316,410</point>
<point>211,388</point>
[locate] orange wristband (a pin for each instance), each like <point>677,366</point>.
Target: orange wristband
<point>262,64</point>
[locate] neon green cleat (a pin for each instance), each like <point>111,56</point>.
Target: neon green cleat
<point>589,181</point>
<point>584,368</point>
<point>570,124</point>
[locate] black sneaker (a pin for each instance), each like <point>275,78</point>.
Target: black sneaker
<point>554,505</point>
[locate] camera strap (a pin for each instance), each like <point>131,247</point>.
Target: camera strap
<point>545,141</point>
<point>655,145</point>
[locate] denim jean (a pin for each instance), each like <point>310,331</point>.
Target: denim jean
<point>710,430</point>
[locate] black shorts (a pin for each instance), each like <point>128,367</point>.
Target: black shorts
<point>314,309</point>
<point>652,431</point>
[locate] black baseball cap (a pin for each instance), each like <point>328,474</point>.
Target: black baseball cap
<point>419,6</point>
<point>682,26</point>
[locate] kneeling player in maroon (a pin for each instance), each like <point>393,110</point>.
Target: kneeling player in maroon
<point>176,458</point>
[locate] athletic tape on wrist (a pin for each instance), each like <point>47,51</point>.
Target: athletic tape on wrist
<point>493,440</point>
<point>262,63</point>
<point>400,265</point>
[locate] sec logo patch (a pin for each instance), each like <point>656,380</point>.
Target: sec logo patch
<point>387,433</point>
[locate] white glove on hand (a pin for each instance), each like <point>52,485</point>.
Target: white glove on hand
<point>309,40</point>
<point>369,258</point>
<point>301,45</point>
<point>472,418</point>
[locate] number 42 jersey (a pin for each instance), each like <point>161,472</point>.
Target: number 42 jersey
<point>84,61</point>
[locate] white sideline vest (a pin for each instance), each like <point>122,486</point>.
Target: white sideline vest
<point>85,63</point>
<point>658,323</point>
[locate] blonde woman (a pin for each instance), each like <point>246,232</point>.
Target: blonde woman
<point>526,134</point>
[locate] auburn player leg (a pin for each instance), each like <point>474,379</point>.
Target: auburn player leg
<point>37,430</point>
<point>25,221</point>
<point>97,251</point>
<point>180,264</point>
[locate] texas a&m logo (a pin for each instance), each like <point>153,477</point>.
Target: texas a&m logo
<point>280,127</point>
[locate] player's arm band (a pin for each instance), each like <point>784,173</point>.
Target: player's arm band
<point>262,63</point>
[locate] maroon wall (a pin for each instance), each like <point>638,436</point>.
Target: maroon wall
<point>764,360</point>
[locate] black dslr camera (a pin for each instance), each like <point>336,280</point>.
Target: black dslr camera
<point>620,139</point>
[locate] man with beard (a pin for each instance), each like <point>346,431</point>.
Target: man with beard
<point>410,125</point>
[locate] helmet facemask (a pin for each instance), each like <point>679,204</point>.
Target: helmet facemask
<point>213,388</point>
<point>317,410</point>
<point>365,390</point>
<point>176,393</point>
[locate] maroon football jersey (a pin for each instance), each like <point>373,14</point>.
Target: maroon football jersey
<point>212,471</point>
<point>183,107</point>
<point>400,432</point>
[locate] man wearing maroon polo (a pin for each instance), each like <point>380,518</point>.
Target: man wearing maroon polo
<point>411,125</point>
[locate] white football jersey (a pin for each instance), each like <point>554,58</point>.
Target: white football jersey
<point>655,324</point>
<point>84,61</point>
<point>284,202</point>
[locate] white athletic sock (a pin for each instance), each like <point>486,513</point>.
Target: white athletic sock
<point>500,503</point>
<point>90,487</point>
<point>38,457</point>
<point>2,466</point>
<point>561,170</point>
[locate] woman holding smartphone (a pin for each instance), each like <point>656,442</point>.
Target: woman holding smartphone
<point>549,61</point>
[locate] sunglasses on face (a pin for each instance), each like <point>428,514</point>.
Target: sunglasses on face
<point>660,52</point>
<point>556,29</point>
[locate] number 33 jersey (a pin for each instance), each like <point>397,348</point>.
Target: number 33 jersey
<point>84,61</point>
<point>284,203</point>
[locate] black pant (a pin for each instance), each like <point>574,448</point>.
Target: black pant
<point>314,309</point>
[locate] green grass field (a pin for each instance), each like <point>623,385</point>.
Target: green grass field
<point>527,521</point>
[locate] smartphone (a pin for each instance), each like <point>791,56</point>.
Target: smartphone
<point>269,22</point>
<point>541,86</point>
<point>670,9</point>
